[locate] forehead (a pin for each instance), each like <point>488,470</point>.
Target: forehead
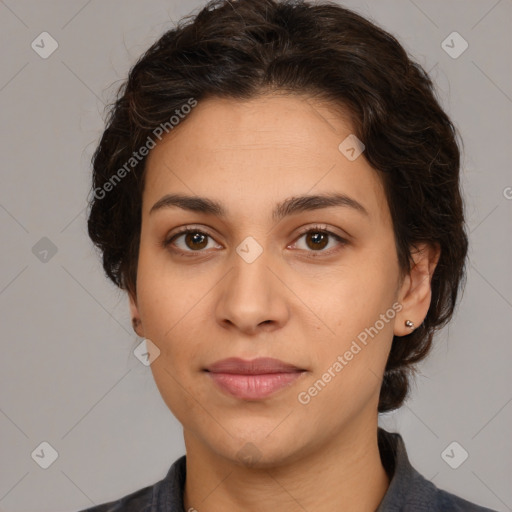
<point>254,153</point>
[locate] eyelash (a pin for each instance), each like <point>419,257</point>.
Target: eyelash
<point>310,229</point>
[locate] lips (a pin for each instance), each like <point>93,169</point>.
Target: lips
<point>255,379</point>
<point>259,366</point>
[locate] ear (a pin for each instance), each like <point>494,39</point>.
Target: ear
<point>134,313</point>
<point>415,292</point>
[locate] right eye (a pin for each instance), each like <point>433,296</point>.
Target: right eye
<point>188,240</point>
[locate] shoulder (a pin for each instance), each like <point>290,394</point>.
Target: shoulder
<point>140,501</point>
<point>452,503</point>
<point>409,491</point>
<point>424,496</point>
<point>158,497</point>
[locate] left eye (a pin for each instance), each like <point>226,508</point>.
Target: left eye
<point>316,240</point>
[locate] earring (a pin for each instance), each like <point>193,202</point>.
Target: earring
<point>409,324</point>
<point>135,322</point>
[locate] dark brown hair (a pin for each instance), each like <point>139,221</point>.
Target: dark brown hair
<point>241,49</point>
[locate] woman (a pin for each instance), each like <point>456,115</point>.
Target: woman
<point>277,190</point>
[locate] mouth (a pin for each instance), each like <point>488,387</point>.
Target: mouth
<point>255,379</point>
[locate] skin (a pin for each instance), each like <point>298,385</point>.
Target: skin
<point>249,156</point>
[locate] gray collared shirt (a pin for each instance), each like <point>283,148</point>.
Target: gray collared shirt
<point>408,491</point>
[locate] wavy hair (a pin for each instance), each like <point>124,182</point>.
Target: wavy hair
<point>245,48</point>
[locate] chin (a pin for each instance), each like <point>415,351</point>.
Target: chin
<point>257,456</point>
<point>262,450</point>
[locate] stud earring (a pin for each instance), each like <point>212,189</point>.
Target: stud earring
<point>409,324</point>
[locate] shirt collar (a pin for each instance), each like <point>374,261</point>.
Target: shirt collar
<point>407,487</point>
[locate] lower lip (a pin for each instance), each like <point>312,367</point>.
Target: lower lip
<point>253,387</point>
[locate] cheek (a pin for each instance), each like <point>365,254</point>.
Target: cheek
<point>165,292</point>
<point>354,296</point>
<point>172,322</point>
<point>172,300</point>
<point>180,394</point>
<point>359,307</point>
<point>349,366</point>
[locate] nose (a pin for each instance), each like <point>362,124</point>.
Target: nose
<point>252,298</point>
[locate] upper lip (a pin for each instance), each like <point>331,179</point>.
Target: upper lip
<point>258,366</point>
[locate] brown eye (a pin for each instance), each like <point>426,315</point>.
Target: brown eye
<point>189,241</point>
<point>316,240</point>
<point>196,240</point>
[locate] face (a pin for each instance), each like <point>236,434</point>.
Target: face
<point>311,283</point>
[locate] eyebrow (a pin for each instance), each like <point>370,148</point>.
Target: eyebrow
<point>289,206</point>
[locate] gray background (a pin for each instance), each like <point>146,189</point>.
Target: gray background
<point>67,372</point>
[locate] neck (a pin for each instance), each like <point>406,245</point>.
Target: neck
<point>345,474</point>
